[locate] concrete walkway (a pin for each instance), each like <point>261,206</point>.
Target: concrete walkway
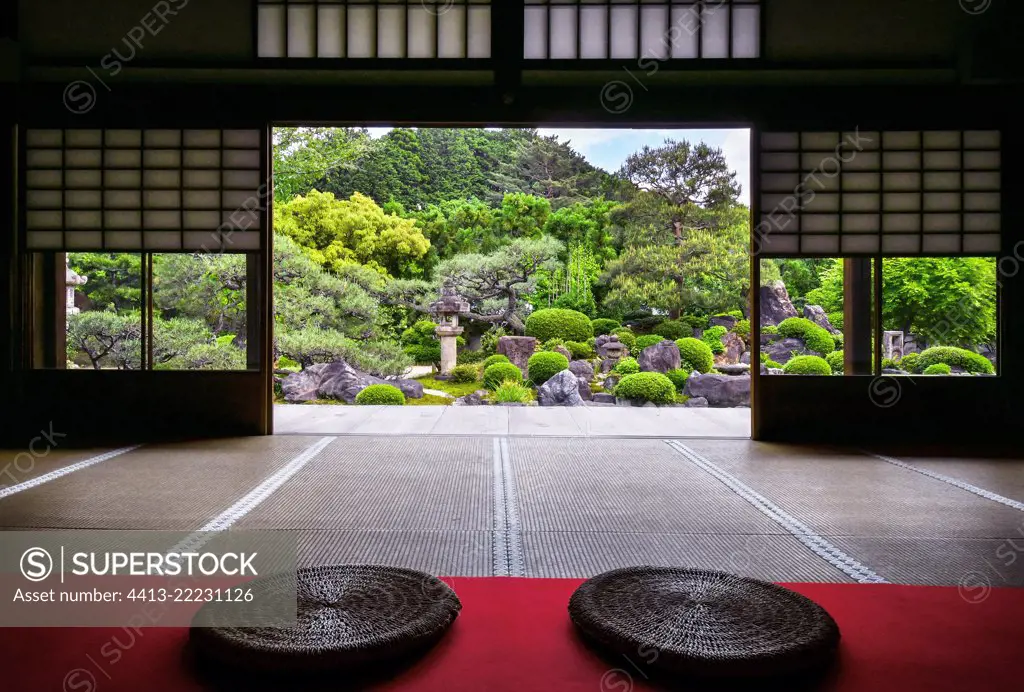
<point>585,421</point>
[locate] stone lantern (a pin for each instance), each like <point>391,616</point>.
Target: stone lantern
<point>447,310</point>
<point>71,281</point>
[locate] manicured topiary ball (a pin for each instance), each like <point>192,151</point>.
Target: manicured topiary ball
<point>603,325</point>
<point>646,386</point>
<point>807,365</point>
<point>543,365</point>
<point>559,323</point>
<point>497,358</point>
<point>938,369</point>
<point>495,374</point>
<point>696,355</point>
<point>380,395</point>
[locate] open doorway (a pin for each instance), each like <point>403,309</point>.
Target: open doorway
<point>558,281</point>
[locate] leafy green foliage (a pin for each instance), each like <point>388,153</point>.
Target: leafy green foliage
<point>420,343</point>
<point>815,338</point>
<point>381,395</point>
<point>467,357</point>
<point>544,364</point>
<point>646,340</point>
<point>838,340</point>
<point>462,374</point>
<point>497,373</point>
<point>114,280</point>
<point>888,363</point>
<point>836,319</point>
<point>558,323</point>
<point>938,369</point>
<point>712,336</point>
<point>512,392</point>
<point>580,350</point>
<point>647,386</point>
<point>310,346</point>
<point>627,337</point>
<point>673,329</point>
<point>769,329</point>
<point>496,358</point>
<point>835,361</point>
<point>968,361</point>
<point>626,366</point>
<point>695,355</point>
<point>106,338</point>
<point>807,365</point>
<point>678,378</point>
<point>768,362</point>
<point>910,362</point>
<point>603,325</point>
<point>742,330</point>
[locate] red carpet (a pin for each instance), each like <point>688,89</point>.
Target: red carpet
<point>514,635</point>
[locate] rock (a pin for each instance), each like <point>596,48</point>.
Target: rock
<point>745,357</point>
<point>769,338</point>
<point>564,351</point>
<point>721,391</point>
<point>892,344</point>
<point>608,346</point>
<point>816,314</point>
<point>649,404</point>
<point>411,388</point>
<point>517,349</point>
<point>781,351</point>
<point>608,363</point>
<point>775,304</point>
<point>474,399</point>
<point>776,371</point>
<point>734,369</point>
<point>619,401</point>
<point>894,371</point>
<point>339,380</point>
<point>604,398</point>
<point>696,402</point>
<point>562,389</point>
<point>660,357</point>
<point>610,382</point>
<point>302,386</point>
<point>727,321</point>
<point>582,369</point>
<point>734,348</point>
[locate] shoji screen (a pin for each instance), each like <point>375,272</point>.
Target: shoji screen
<point>896,193</point>
<point>160,190</point>
<point>635,29</point>
<point>374,29</point>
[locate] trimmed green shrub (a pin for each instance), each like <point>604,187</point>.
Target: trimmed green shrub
<point>542,366</point>
<point>807,365</point>
<point>678,378</point>
<point>551,344</point>
<point>713,338</point>
<point>496,358</point>
<point>627,337</point>
<point>511,392</point>
<point>627,366</point>
<point>738,314</point>
<point>742,330</point>
<point>467,357</point>
<point>938,369</point>
<point>696,321</point>
<point>580,350</point>
<point>646,340</point>
<point>495,374</point>
<point>835,361</point>
<point>646,386</point>
<point>559,323</point>
<point>836,319</point>
<point>910,362</point>
<point>420,343</point>
<point>817,339</point>
<point>769,329</point>
<point>889,363</point>
<point>838,340</point>
<point>768,362</point>
<point>696,355</point>
<point>603,325</point>
<point>380,395</point>
<point>673,329</point>
<point>968,361</point>
<point>647,323</point>
<point>462,374</point>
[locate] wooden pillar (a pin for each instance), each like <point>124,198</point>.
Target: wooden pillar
<point>858,345</point>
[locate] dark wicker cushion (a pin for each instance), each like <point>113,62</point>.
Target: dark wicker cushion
<point>349,617</point>
<point>703,623</point>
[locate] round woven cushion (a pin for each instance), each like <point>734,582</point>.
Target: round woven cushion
<point>704,623</point>
<point>348,616</point>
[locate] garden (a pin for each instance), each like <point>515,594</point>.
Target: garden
<point>582,286</point>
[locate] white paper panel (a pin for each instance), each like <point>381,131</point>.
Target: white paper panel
<point>860,243</point>
<point>479,32</point>
<point>360,31</point>
<point>391,32</point>
<point>861,181</point>
<point>780,182</point>
<point>861,223</point>
<point>776,141</point>
<point>44,219</point>
<point>901,244</point>
<point>982,201</point>
<point>593,32</point>
<point>78,179</point>
<point>44,158</point>
<point>944,242</point>
<point>201,219</point>
<point>123,240</point>
<point>941,140</point>
<point>983,139</point>
<point>746,31</point>
<point>82,138</point>
<point>981,180</point>
<point>901,140</point>
<point>301,31</point>
<point>84,240</point>
<point>715,32</point>
<point>44,240</point>
<point>986,160</point>
<point>201,179</point>
<point>820,244</point>
<point>162,240</point>
<point>780,243</point>
<point>161,219</point>
<point>942,160</point>
<point>331,31</point>
<point>535,46</point>
<point>861,201</point>
<point>451,33</point>
<point>245,180</point>
<point>122,199</point>
<point>901,223</point>
<point>982,243</point>
<point>902,160</point>
<point>123,138</point>
<point>123,158</point>
<point>820,223</point>
<point>161,199</point>
<point>42,199</point>
<point>202,199</point>
<point>624,29</point>
<point>83,219</point>
<point>83,158</point>
<point>162,158</point>
<point>563,32</point>
<point>162,138</point>
<point>654,36</point>
<point>686,29</point>
<point>121,178</point>
<point>981,222</point>
<point>941,223</point>
<point>271,33</point>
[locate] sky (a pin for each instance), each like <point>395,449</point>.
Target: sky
<point>608,148</point>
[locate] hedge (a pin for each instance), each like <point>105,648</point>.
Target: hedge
<point>836,319</point>
<point>467,357</point>
<point>380,395</point>
<point>543,365</point>
<point>815,338</point>
<point>627,337</point>
<point>646,386</point>
<point>678,378</point>
<point>496,358</point>
<point>580,350</point>
<point>694,354</point>
<point>938,369</point>
<point>646,340</point>
<point>713,338</point>
<point>968,361</point>
<point>769,329</point>
<point>627,366</point>
<point>673,329</point>
<point>495,374</point>
<point>559,323</point>
<point>807,365</point>
<point>462,374</point>
<point>603,325</point>
<point>910,362</point>
<point>835,361</point>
